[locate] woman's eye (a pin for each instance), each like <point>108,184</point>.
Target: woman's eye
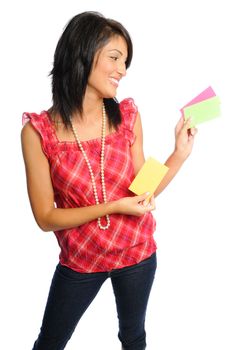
<point>114,58</point>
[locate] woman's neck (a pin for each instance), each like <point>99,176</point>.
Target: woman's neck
<point>92,109</point>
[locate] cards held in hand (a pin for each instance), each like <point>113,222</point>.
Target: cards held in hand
<point>148,177</point>
<point>202,108</point>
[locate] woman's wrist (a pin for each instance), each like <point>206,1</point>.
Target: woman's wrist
<point>111,207</point>
<point>177,158</point>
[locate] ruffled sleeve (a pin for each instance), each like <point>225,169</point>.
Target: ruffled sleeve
<point>42,126</point>
<point>129,112</point>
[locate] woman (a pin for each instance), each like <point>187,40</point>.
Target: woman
<point>80,158</point>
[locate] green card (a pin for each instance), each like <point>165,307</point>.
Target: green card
<point>203,111</point>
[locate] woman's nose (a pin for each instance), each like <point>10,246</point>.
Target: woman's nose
<point>122,69</point>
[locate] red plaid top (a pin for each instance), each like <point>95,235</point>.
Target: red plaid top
<point>87,248</point>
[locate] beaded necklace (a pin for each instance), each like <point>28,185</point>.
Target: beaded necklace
<point>103,135</point>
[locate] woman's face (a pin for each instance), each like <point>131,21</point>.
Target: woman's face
<point>109,67</point>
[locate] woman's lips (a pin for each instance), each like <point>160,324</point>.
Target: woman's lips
<point>114,81</point>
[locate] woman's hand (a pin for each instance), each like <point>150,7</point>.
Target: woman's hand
<point>184,135</point>
<point>149,202</point>
<point>135,205</point>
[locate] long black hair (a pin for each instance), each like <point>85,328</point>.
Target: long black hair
<point>83,36</point>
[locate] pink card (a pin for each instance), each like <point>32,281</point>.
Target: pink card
<point>204,95</point>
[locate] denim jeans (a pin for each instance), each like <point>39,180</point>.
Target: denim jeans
<point>72,292</point>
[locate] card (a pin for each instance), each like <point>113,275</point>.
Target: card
<point>148,177</point>
<point>203,111</point>
<point>204,95</point>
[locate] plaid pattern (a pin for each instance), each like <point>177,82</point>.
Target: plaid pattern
<point>86,248</point>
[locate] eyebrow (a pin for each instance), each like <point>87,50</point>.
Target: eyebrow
<point>117,51</point>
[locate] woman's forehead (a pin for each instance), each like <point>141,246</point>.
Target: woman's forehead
<point>116,43</point>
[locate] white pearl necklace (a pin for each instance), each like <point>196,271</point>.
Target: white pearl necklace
<point>101,166</point>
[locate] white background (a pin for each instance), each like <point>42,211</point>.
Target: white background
<point>180,48</point>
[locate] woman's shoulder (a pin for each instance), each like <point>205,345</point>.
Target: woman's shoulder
<point>128,105</point>
<point>40,121</point>
<point>31,121</point>
<point>38,125</point>
<point>27,129</point>
<point>34,117</point>
<point>129,111</point>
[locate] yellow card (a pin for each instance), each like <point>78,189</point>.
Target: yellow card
<point>148,177</point>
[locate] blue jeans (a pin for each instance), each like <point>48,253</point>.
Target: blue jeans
<point>72,292</point>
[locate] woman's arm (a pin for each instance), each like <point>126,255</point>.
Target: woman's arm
<point>184,139</point>
<point>41,194</point>
<point>137,153</point>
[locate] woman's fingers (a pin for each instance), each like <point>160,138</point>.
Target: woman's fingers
<point>149,203</point>
<point>193,131</point>
<point>152,202</point>
<point>179,125</point>
<point>187,125</point>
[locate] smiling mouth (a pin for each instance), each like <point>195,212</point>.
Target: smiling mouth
<point>114,82</point>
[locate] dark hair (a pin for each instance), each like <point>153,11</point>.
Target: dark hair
<point>83,36</point>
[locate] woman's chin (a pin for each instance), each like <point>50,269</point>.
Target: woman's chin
<point>110,94</point>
